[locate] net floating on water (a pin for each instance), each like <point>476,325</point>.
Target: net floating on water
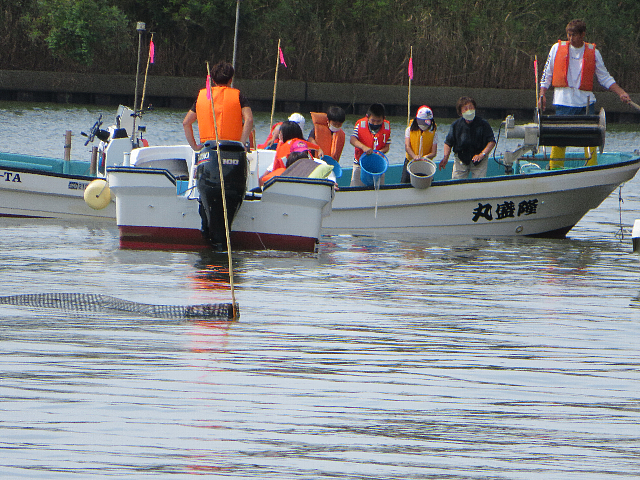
<point>88,302</point>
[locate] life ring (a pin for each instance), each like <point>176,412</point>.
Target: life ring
<point>97,194</point>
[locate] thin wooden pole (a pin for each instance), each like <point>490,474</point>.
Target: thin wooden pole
<point>144,86</point>
<point>224,201</point>
<point>67,145</point>
<point>409,94</point>
<point>275,85</point>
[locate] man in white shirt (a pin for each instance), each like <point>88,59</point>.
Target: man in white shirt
<point>570,68</point>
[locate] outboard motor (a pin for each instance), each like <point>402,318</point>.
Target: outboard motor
<point>234,170</point>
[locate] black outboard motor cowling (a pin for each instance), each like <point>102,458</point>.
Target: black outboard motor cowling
<point>234,170</point>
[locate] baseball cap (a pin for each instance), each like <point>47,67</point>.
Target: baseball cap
<point>299,119</point>
<point>299,146</point>
<point>424,113</point>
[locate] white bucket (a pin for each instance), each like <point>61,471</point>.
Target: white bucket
<point>421,173</point>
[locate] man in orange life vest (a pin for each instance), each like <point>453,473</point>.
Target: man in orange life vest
<point>370,133</point>
<point>570,68</point>
<point>234,117</point>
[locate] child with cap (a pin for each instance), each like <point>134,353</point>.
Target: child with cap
<point>420,140</point>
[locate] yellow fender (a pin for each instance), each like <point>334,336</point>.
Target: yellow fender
<point>97,194</point>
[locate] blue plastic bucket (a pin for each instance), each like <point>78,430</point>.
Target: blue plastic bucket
<point>337,169</point>
<point>372,166</point>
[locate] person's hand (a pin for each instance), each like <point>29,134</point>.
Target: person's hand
<point>478,158</point>
<point>542,102</point>
<point>624,97</point>
<point>369,151</point>
<point>443,164</point>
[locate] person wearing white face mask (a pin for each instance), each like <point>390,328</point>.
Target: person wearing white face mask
<point>420,140</point>
<point>471,138</point>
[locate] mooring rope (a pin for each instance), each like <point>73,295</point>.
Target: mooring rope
<point>87,302</point>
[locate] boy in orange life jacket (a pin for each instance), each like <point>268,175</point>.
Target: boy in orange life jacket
<point>327,131</point>
<point>370,133</point>
<point>570,68</point>
<point>234,117</point>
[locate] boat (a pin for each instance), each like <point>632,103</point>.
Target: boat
<point>635,236</point>
<point>157,200</point>
<point>41,187</point>
<point>519,196</point>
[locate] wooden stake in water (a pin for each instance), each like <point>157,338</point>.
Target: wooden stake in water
<point>224,200</point>
<point>67,145</point>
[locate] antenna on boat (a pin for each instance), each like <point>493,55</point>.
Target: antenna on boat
<point>224,196</point>
<point>140,27</point>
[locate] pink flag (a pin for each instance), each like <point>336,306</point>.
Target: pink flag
<point>282,57</point>
<point>208,87</point>
<point>152,52</point>
<point>411,68</point>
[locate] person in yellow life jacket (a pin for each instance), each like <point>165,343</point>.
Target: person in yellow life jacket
<point>570,68</point>
<point>372,132</point>
<point>233,115</point>
<point>327,131</point>
<point>420,140</point>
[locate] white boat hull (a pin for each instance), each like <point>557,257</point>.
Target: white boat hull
<point>543,204</point>
<point>40,195</point>
<point>152,215</point>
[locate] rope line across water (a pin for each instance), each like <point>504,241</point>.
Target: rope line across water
<point>95,303</point>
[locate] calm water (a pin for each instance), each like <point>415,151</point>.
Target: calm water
<point>396,358</point>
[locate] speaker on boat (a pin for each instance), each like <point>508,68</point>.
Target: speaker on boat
<point>234,171</point>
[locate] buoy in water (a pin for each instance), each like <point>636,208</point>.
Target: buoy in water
<point>97,194</point>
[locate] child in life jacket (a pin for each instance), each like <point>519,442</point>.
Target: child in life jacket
<point>420,140</point>
<point>327,132</point>
<point>372,132</point>
<point>274,135</point>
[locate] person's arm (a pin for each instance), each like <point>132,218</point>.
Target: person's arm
<point>484,153</point>
<point>547,76</point>
<point>408,149</point>
<point>445,159</point>
<point>189,119</point>
<point>247,125</point>
<point>385,149</point>
<point>624,96</point>
<point>434,151</point>
<point>358,144</point>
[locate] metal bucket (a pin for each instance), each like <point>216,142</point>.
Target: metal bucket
<point>421,173</point>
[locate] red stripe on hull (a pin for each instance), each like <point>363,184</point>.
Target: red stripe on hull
<point>163,238</point>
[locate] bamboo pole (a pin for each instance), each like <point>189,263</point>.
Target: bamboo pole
<point>224,200</point>
<point>409,94</point>
<point>275,85</point>
<point>144,86</point>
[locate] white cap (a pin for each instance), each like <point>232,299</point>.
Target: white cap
<point>424,113</point>
<point>299,119</point>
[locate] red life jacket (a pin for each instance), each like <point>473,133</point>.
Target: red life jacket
<point>377,141</point>
<point>561,66</point>
<point>330,143</point>
<point>226,102</point>
<point>273,127</point>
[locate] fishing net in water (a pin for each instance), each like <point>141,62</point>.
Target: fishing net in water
<point>87,302</point>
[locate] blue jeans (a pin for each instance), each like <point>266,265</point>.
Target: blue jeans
<point>564,110</point>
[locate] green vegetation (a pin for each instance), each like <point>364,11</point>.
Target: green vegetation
<point>466,43</point>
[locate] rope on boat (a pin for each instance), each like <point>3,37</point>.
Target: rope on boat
<point>87,302</point>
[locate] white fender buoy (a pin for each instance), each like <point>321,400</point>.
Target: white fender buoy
<point>97,194</point>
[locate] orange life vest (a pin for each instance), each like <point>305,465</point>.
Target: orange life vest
<point>226,101</point>
<point>377,141</point>
<point>561,66</point>
<point>273,127</point>
<point>284,148</point>
<point>330,143</point>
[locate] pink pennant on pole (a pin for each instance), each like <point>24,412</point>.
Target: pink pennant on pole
<point>282,57</point>
<point>208,87</point>
<point>411,68</point>
<point>152,52</point>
